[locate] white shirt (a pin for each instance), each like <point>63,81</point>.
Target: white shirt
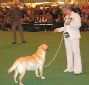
<point>72,25</point>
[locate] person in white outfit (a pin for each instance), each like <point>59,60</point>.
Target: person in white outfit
<point>72,24</point>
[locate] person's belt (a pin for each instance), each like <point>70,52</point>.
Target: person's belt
<point>66,35</point>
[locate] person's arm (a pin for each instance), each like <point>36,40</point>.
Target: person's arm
<point>61,29</point>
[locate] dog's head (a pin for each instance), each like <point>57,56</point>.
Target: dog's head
<point>44,47</point>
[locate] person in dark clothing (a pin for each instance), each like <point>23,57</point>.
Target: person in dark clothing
<point>16,15</point>
<point>1,20</point>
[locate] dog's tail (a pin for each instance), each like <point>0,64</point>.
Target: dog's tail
<point>12,68</point>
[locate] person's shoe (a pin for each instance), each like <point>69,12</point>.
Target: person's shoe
<point>67,70</point>
<point>78,73</point>
<point>13,42</point>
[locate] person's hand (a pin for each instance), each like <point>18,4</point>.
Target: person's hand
<point>56,30</point>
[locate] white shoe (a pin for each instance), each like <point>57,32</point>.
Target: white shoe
<point>77,73</point>
<point>67,70</point>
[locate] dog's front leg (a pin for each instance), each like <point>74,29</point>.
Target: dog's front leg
<point>41,72</point>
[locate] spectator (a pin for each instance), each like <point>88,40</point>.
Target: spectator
<point>16,15</point>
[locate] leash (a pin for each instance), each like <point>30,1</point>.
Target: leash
<point>56,53</point>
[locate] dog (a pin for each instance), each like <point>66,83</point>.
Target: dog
<point>35,62</point>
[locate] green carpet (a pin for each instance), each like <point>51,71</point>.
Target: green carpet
<point>54,73</point>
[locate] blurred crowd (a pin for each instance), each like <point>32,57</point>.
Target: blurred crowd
<point>51,15</point>
<point>85,16</point>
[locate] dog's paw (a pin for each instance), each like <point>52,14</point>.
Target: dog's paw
<point>21,84</point>
<point>16,81</point>
<point>43,77</point>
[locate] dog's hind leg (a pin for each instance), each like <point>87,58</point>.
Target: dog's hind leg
<point>37,73</point>
<point>15,76</point>
<point>21,77</point>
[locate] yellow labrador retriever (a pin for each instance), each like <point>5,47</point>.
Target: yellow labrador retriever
<point>35,62</point>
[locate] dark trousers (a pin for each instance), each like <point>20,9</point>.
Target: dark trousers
<point>17,26</point>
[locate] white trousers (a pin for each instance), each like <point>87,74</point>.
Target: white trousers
<point>73,55</point>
